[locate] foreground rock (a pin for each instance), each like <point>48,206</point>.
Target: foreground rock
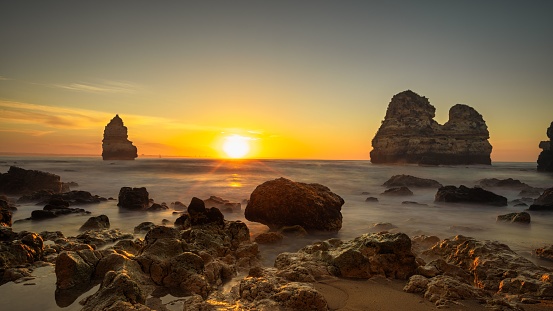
<point>96,223</point>
<point>138,199</point>
<point>545,159</point>
<point>464,268</point>
<point>409,134</point>
<point>18,251</point>
<point>282,202</point>
<point>19,181</point>
<point>411,181</point>
<point>5,214</point>
<point>452,194</point>
<point>544,202</point>
<point>115,145</point>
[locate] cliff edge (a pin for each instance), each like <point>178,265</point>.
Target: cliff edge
<point>409,134</point>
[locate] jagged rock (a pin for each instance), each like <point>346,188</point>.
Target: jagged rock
<point>222,204</point>
<point>19,181</point>
<point>399,191</point>
<point>56,206</point>
<point>544,202</point>
<point>96,223</point>
<point>72,270</point>
<point>545,159</point>
<point>495,267</point>
<point>545,253</point>
<point>144,227</point>
<point>155,207</point>
<point>5,214</point>
<point>75,197</point>
<point>178,206</point>
<point>19,249</point>
<point>117,292</point>
<point>452,194</point>
<point>409,134</point>
<point>98,238</point>
<point>115,145</point>
<point>522,217</point>
<point>411,181</point>
<point>134,198</point>
<point>503,183</point>
<point>443,289</point>
<point>282,202</point>
<point>199,215</point>
<point>385,254</point>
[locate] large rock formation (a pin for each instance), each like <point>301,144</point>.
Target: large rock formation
<point>545,159</point>
<point>409,134</point>
<point>115,145</point>
<point>282,202</point>
<point>18,181</point>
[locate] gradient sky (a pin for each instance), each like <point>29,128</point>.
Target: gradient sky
<point>301,79</point>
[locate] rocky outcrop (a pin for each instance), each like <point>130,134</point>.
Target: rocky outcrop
<point>411,181</point>
<point>19,181</point>
<point>545,159</point>
<point>545,253</point>
<point>282,202</point>
<point>134,198</point>
<point>18,250</point>
<point>115,145</point>
<point>544,202</point>
<point>522,217</point>
<point>452,194</point>
<point>399,191</point>
<point>409,134</point>
<point>96,223</point>
<point>5,214</point>
<point>222,204</point>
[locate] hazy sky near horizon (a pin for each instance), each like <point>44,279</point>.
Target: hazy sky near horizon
<point>301,79</point>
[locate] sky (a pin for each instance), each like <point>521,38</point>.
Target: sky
<point>296,79</point>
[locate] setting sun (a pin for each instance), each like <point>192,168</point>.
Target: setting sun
<point>236,146</point>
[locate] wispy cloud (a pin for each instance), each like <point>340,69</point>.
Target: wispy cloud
<point>35,133</point>
<point>104,87</point>
<point>2,78</point>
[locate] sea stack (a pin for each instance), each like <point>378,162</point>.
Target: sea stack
<point>409,134</point>
<point>545,159</point>
<point>115,145</point>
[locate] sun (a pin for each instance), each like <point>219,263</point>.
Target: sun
<point>236,146</point>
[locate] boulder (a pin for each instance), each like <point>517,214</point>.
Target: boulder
<point>409,134</point>
<point>371,199</point>
<point>452,194</point>
<point>384,254</point>
<point>134,198</point>
<point>399,191</point>
<point>545,252</point>
<point>115,145</point>
<point>411,181</point>
<point>19,181</point>
<point>144,227</point>
<point>269,238</point>
<point>522,217</point>
<point>96,223</point>
<point>544,202</point>
<point>545,159</point>
<point>178,206</point>
<point>199,215</point>
<point>5,214</point>
<point>282,202</point>
<point>66,199</point>
<point>18,250</point>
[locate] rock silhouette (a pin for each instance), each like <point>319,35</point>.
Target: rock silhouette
<point>409,134</point>
<point>545,159</point>
<point>115,145</point>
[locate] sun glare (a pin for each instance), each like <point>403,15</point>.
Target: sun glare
<point>236,146</point>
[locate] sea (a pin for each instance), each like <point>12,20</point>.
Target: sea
<point>180,179</point>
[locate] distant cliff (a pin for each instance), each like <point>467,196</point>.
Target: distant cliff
<point>545,159</point>
<point>115,145</point>
<point>409,134</point>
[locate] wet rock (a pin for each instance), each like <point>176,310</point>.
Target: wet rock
<point>199,215</point>
<point>371,199</point>
<point>144,227</point>
<point>178,206</point>
<point>269,238</point>
<point>53,210</point>
<point>508,183</point>
<point>62,199</point>
<point>19,181</point>
<point>98,238</point>
<point>452,194</point>
<point>296,231</point>
<point>134,198</point>
<point>544,202</point>
<point>117,292</point>
<point>223,204</point>
<point>96,223</point>
<point>282,202</point>
<point>385,254</point>
<point>115,145</point>
<point>444,289</point>
<point>413,203</point>
<point>382,226</point>
<point>545,253</point>
<point>522,217</point>
<point>411,181</point>
<point>19,249</point>
<point>530,192</point>
<point>72,270</point>
<point>5,214</point>
<point>398,191</point>
<point>409,134</point>
<point>155,207</point>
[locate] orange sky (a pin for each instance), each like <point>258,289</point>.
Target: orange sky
<point>183,76</point>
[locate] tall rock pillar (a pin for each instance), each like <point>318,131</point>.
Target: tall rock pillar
<point>115,145</point>
<point>545,159</point>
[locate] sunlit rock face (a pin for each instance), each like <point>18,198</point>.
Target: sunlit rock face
<point>545,159</point>
<point>115,145</point>
<point>409,134</point>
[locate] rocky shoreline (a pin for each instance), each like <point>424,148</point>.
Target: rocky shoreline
<point>212,263</point>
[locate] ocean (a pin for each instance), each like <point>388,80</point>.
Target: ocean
<point>179,179</point>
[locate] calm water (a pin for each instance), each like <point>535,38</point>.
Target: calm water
<point>169,180</point>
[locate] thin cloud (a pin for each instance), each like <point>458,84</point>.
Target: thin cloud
<point>35,133</point>
<point>105,87</point>
<point>2,78</point>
